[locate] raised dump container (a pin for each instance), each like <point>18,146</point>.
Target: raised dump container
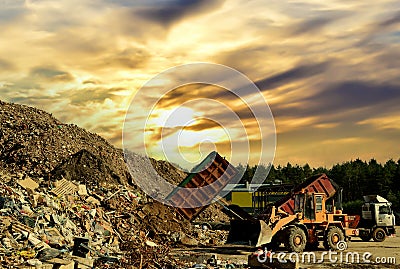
<point>316,184</point>
<point>215,172</point>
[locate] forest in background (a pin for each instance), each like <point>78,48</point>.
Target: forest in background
<point>356,177</point>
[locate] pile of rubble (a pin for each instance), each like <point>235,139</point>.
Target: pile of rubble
<point>67,200</point>
<point>213,213</point>
<point>196,260</point>
<point>86,167</point>
<point>169,172</point>
<point>44,223</point>
<point>34,142</point>
<point>209,237</point>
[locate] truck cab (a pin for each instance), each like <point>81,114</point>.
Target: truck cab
<point>378,219</point>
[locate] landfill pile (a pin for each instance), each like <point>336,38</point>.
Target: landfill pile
<point>213,213</point>
<point>67,200</point>
<point>209,237</point>
<point>64,221</point>
<point>85,167</point>
<point>169,172</point>
<point>34,142</point>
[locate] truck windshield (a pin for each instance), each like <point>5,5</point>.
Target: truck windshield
<point>318,203</point>
<point>384,209</point>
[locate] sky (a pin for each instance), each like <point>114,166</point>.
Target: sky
<point>329,71</point>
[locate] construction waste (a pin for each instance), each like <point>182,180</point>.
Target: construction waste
<point>67,200</point>
<point>64,222</point>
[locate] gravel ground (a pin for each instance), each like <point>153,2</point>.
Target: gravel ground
<point>388,250</point>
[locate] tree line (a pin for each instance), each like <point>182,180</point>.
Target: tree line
<point>356,177</point>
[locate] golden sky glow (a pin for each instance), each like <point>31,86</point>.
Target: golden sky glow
<point>330,70</point>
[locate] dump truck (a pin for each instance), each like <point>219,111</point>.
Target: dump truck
<point>305,222</point>
<point>377,220</point>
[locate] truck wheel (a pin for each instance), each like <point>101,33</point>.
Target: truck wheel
<point>333,237</point>
<point>296,240</point>
<point>379,235</point>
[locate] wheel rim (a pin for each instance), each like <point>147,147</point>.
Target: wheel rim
<point>335,238</point>
<point>297,240</point>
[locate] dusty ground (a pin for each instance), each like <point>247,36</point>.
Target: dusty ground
<point>388,250</point>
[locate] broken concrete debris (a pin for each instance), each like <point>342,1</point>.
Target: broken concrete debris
<point>64,223</point>
<point>82,190</point>
<point>28,183</point>
<point>119,227</point>
<point>67,200</point>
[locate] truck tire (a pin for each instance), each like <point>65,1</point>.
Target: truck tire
<point>379,235</point>
<point>333,236</point>
<point>296,240</point>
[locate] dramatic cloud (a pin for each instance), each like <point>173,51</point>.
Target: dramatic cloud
<point>167,13</point>
<point>294,74</point>
<point>329,71</point>
<point>50,74</point>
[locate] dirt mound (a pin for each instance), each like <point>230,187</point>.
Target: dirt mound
<point>34,142</point>
<point>36,146</point>
<point>86,168</point>
<point>168,171</point>
<point>213,213</point>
